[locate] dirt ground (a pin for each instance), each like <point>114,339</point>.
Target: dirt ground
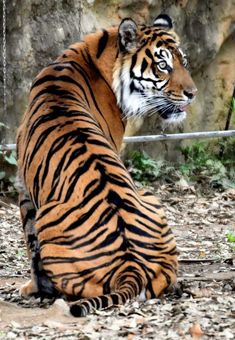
<point>203,306</point>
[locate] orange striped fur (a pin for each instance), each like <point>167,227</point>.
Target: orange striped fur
<point>90,233</point>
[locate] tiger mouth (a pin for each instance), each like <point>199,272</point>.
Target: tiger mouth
<point>176,112</point>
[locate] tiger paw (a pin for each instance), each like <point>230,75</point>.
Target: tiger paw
<point>28,289</point>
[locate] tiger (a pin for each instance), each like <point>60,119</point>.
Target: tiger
<point>93,237</point>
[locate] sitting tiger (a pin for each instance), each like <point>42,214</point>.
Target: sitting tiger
<point>93,237</point>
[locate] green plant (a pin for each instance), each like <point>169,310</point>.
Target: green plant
<point>8,167</point>
<point>8,171</point>
<point>9,157</point>
<point>145,169</point>
<point>20,253</point>
<point>204,163</point>
<point>228,156</point>
<point>230,236</point>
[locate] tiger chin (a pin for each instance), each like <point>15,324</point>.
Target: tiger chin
<point>91,235</point>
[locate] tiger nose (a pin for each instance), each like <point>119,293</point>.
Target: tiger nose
<point>190,93</point>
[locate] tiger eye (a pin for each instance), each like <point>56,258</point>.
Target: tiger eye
<point>162,65</point>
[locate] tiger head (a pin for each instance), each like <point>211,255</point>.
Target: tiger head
<point>150,72</point>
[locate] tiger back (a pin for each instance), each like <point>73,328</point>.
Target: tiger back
<point>91,235</point>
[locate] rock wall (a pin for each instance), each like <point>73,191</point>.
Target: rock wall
<point>37,31</point>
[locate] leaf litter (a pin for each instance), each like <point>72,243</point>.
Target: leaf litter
<point>202,306</point>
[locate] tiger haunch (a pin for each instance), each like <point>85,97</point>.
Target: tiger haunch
<point>90,234</point>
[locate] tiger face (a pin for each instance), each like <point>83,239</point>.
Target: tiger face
<point>150,74</point>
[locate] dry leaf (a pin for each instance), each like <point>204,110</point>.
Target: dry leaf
<point>130,336</point>
<point>201,292</point>
<point>196,331</point>
<point>54,324</point>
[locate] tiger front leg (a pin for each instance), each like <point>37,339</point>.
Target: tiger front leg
<point>159,285</point>
<point>165,277</point>
<point>166,274</point>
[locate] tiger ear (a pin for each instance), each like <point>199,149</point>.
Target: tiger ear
<point>127,32</point>
<point>164,21</point>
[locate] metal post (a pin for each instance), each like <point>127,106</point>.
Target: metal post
<point>4,58</point>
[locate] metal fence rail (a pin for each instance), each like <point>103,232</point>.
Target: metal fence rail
<point>5,147</point>
<point>162,137</point>
<point>190,135</point>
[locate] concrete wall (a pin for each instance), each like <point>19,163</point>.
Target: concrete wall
<point>37,31</point>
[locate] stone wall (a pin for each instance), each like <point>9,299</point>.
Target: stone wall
<point>37,31</point>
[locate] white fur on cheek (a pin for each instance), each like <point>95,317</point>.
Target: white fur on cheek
<point>127,101</point>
